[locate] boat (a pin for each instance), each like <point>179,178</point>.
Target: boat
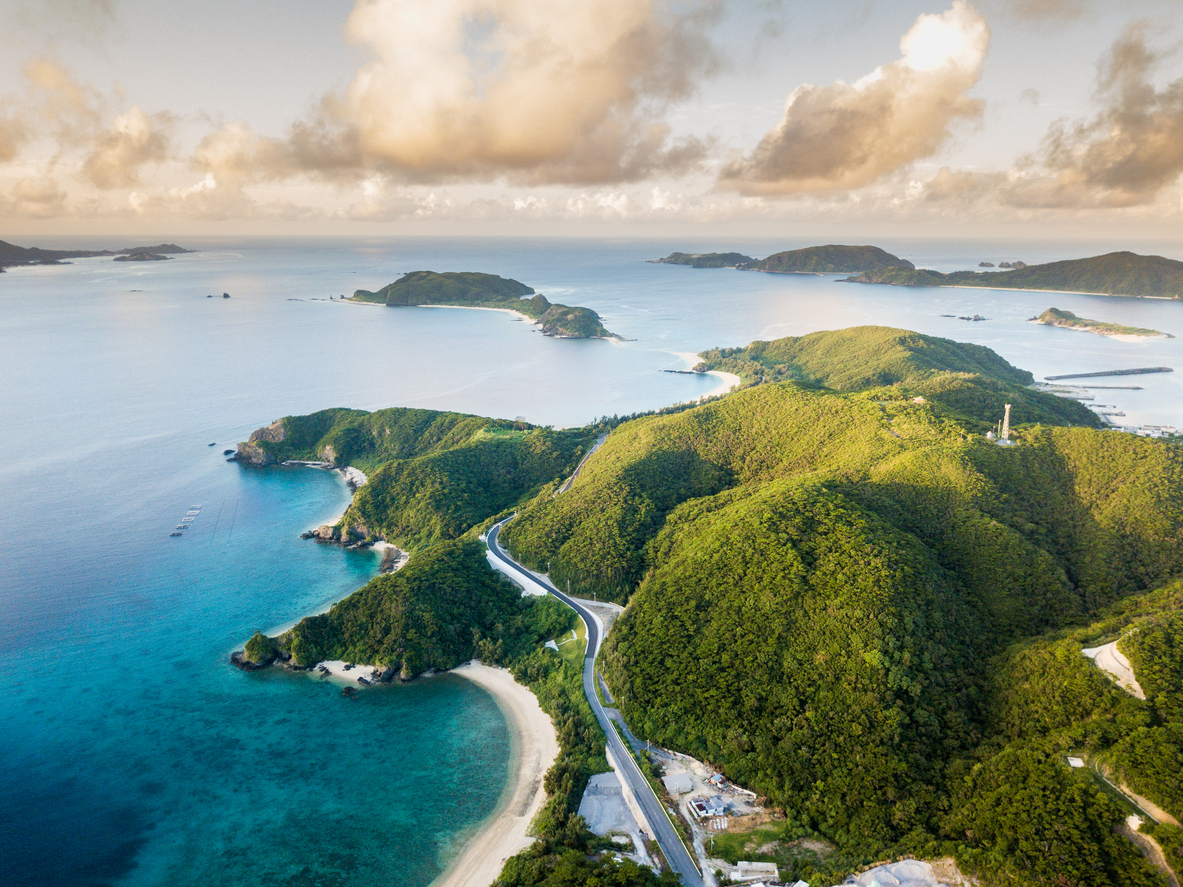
<point>176,534</point>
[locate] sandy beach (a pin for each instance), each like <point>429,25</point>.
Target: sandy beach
<point>504,834</point>
<point>727,381</point>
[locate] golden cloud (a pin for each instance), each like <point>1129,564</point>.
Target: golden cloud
<point>1125,155</point>
<point>845,136</point>
<point>133,140</point>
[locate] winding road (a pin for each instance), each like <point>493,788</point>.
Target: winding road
<point>658,824</point>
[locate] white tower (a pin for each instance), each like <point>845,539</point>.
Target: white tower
<point>1006,424</point>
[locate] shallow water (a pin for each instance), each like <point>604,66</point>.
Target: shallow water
<point>135,754</point>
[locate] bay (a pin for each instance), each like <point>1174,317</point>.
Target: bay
<point>135,754</point>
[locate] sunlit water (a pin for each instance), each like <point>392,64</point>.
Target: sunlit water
<point>134,754</point>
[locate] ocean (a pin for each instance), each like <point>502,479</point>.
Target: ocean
<point>134,753</point>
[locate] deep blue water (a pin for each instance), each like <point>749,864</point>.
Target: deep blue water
<point>133,753</point>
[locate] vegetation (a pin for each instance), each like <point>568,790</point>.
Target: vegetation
<point>260,649</point>
<point>706,260</point>
<point>1056,317</point>
<point>839,592</point>
<point>966,382</point>
<point>472,289</point>
<point>831,259</point>
<point>1113,274</point>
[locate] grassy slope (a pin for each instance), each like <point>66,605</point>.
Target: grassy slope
<point>966,382</point>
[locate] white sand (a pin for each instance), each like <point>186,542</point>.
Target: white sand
<point>538,745</point>
<point>727,381</point>
<point>480,308</point>
<point>336,669</point>
<point>1111,661</point>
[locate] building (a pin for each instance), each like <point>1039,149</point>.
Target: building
<point>677,783</point>
<point>755,871</point>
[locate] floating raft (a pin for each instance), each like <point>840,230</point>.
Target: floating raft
<point>1134,372</point>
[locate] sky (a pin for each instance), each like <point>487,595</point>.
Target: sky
<point>698,118</point>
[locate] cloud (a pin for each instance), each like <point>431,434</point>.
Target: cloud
<point>541,91</point>
<point>1126,154</point>
<point>133,140</point>
<point>38,198</point>
<point>845,136</point>
<point>77,18</point>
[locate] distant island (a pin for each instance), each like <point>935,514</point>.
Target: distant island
<point>142,257</point>
<point>473,289</point>
<point>1113,274</point>
<point>829,259</point>
<point>1068,320</point>
<point>12,255</point>
<point>706,260</point>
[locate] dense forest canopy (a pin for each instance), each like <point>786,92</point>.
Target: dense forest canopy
<point>838,591</point>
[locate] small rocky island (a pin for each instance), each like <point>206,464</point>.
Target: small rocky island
<point>1068,320</point>
<point>473,289</point>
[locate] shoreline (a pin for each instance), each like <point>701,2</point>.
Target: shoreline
<point>727,381</point>
<point>1005,289</point>
<point>505,832</point>
<point>1097,331</point>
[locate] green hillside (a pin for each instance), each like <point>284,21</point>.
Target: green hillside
<point>838,591</point>
<point>965,381</point>
<point>830,259</point>
<point>1115,274</point>
<point>433,475</point>
<point>472,289</point>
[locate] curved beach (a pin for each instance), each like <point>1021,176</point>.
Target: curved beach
<point>538,745</point>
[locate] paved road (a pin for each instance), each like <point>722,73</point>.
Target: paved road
<point>659,825</point>
<point>578,468</point>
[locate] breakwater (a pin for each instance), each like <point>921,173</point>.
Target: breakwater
<point>1134,372</point>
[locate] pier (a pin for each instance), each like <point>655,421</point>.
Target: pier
<point>1134,372</point>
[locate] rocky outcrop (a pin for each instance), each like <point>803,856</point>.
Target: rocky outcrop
<point>239,660</point>
<point>250,453</point>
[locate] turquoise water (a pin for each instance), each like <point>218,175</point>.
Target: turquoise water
<point>134,754</point>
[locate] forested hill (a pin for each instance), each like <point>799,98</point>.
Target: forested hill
<point>473,289</point>
<point>829,259</point>
<point>967,381</point>
<point>838,591</point>
<point>818,582</point>
<point>1114,274</point>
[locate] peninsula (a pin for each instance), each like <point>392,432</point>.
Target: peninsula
<point>1113,274</point>
<point>829,259</point>
<point>840,592</point>
<point>473,289</point>
<point>1068,320</point>
<point>12,255</point>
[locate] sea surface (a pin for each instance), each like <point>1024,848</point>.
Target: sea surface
<point>134,754</point>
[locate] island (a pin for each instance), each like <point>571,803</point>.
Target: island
<point>705,260</point>
<point>12,255</point>
<point>842,594</point>
<point>1068,320</point>
<point>142,257</point>
<point>830,259</point>
<point>474,289</point>
<point>1113,274</point>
